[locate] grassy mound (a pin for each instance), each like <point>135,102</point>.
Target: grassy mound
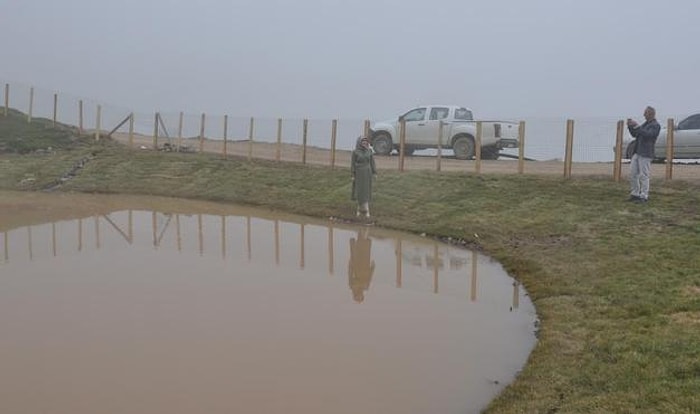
<point>19,136</point>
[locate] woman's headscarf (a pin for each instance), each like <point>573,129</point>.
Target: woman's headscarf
<point>358,144</point>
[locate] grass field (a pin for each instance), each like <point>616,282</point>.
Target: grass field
<point>616,284</point>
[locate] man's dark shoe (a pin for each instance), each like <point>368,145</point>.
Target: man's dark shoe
<point>640,200</point>
<point>634,198</point>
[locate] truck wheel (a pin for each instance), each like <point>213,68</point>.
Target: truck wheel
<point>382,144</point>
<point>463,148</point>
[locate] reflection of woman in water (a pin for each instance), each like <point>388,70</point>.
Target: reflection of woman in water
<point>361,266</point>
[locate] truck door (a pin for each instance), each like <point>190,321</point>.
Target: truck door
<point>432,125</point>
<point>415,125</point>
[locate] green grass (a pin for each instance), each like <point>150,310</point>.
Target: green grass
<point>17,135</point>
<point>616,284</point>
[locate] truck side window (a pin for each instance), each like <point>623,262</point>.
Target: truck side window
<point>463,114</point>
<point>438,113</point>
<point>415,115</point>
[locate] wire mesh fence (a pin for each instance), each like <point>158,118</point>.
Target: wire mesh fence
<point>323,141</point>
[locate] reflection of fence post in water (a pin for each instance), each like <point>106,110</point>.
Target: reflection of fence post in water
<point>97,232</point>
<point>29,243</point>
<point>436,268</point>
<point>301,258</point>
<point>277,242</point>
<point>223,237</point>
<point>331,254</point>
<point>516,294</point>
<point>473,287</point>
<point>399,264</point>
<point>131,227</point>
<point>53,238</point>
<point>80,235</point>
<point>178,234</point>
<point>7,248</point>
<point>154,229</point>
<point>201,234</point>
<point>249,246</point>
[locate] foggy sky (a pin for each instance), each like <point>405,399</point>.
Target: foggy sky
<point>360,58</point>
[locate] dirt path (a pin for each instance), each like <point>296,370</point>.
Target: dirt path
<point>321,156</point>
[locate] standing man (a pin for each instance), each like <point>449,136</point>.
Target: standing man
<point>643,154</point>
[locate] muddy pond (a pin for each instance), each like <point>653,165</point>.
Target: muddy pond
<point>123,304</point>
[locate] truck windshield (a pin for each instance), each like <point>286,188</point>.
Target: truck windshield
<point>463,114</point>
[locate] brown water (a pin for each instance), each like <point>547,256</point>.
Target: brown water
<point>134,305</point>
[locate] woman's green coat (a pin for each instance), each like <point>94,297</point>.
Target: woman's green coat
<point>363,169</point>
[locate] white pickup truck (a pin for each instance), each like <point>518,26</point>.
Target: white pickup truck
<point>458,133</point>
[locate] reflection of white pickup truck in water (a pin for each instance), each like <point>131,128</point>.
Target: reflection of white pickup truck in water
<point>458,133</point>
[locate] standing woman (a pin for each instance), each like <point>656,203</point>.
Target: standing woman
<point>363,171</point>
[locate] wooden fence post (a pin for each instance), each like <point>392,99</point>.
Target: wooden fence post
<point>617,169</point>
<point>669,148</point>
<point>521,147</point>
<point>202,126</point>
<point>477,147</point>
<point>402,143</point>
<point>80,117</point>
<point>55,108</point>
<point>7,98</point>
<point>131,130</point>
<point>568,156</point>
<point>98,123</point>
<point>225,135</point>
<point>251,134</point>
<point>179,130</point>
<point>155,131</point>
<point>334,135</point>
<point>31,105</point>
<point>439,146</point>
<point>365,128</point>
<point>304,135</point>
<point>278,150</point>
